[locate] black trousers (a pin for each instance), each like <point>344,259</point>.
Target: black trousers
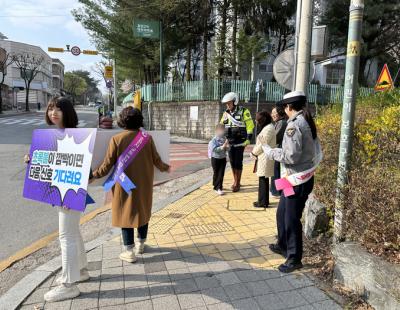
<point>218,165</point>
<point>277,175</point>
<point>263,191</point>
<point>288,217</point>
<point>236,157</point>
<point>128,234</point>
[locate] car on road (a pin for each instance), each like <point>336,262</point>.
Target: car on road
<point>91,104</point>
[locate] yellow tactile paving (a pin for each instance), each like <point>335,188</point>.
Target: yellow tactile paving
<point>225,227</point>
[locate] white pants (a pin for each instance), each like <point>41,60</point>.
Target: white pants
<point>73,252</point>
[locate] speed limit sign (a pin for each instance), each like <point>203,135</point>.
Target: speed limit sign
<point>75,50</point>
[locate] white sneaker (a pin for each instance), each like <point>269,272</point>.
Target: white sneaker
<point>220,192</point>
<point>128,256</point>
<point>62,292</point>
<point>139,247</point>
<point>84,277</point>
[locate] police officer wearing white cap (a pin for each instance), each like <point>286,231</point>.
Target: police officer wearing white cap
<point>296,156</point>
<point>239,128</point>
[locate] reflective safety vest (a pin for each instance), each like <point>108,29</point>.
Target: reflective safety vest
<point>238,124</point>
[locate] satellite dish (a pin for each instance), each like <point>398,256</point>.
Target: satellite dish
<point>283,68</point>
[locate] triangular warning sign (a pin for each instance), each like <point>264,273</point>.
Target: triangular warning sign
<point>385,81</point>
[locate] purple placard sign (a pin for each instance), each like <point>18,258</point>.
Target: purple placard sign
<point>58,172</point>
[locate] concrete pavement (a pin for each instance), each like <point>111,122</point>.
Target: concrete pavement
<point>203,252</point>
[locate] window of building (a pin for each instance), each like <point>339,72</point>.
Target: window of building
<point>335,75</point>
<point>264,68</point>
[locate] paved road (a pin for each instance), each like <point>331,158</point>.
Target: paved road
<point>23,221</point>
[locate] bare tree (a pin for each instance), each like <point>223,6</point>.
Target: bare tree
<point>6,59</point>
<point>30,66</point>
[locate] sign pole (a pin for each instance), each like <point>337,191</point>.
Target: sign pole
<point>161,54</point>
<point>348,111</point>
<point>115,88</point>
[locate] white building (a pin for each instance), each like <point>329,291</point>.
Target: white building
<point>40,88</point>
<point>58,76</point>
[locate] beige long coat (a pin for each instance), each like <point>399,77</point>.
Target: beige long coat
<point>265,167</point>
<point>132,210</point>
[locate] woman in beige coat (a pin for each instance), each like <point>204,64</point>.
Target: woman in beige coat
<point>132,210</point>
<point>265,167</point>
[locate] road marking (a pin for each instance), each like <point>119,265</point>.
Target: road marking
<point>6,119</point>
<point>40,244</point>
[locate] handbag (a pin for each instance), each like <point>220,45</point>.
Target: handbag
<point>255,166</point>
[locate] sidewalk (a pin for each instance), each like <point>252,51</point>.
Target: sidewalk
<point>203,252</point>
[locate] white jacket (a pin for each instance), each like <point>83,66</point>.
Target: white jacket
<point>265,167</point>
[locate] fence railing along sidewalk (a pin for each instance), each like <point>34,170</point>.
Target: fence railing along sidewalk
<point>214,90</point>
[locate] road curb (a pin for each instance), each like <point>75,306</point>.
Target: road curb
<point>16,114</point>
<point>22,289</point>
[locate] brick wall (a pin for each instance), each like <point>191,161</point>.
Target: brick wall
<point>175,117</point>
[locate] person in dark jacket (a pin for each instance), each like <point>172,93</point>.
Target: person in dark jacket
<point>279,117</point>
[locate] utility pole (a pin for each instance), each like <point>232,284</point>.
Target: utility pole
<point>115,88</point>
<point>296,42</point>
<point>349,101</point>
<point>161,54</point>
<point>304,45</point>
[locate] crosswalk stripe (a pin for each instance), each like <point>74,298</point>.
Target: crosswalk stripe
<point>3,120</point>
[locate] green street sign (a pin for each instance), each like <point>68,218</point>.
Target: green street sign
<point>146,28</point>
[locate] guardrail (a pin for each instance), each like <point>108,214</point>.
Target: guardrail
<point>213,90</point>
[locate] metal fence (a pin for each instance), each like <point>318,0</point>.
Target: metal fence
<point>213,90</point>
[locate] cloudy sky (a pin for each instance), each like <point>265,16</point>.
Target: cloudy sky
<point>47,23</point>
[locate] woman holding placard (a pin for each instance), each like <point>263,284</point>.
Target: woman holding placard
<point>132,154</point>
<point>61,113</point>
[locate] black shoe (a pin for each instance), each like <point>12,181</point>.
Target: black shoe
<point>277,249</point>
<point>288,267</point>
<point>257,205</point>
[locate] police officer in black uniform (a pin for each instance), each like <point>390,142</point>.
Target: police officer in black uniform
<point>296,155</point>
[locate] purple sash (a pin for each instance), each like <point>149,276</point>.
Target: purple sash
<point>124,160</point>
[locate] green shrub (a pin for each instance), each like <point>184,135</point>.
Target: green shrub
<point>373,193</point>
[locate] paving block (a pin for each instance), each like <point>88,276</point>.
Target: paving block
<point>37,296</point>
<point>279,285</point>
<point>167,302</point>
<point>135,280</point>
<point>298,280</point>
<point>175,264</point>
<point>110,298</point>
<point>191,300</point>
<point>327,305</point>
<point>111,272</point>
<point>258,288</point>
<point>134,294</point>
<point>59,305</point>
<point>207,282</point>
<point>247,275</point>
<point>312,294</point>
<point>214,295</point>
<point>245,304</point>
<point>227,278</point>
<point>185,286</point>
<point>154,267</point>
<point>292,299</point>
<point>221,306</point>
<point>237,291</point>
<point>160,290</point>
<point>86,301</point>
<point>140,305</point>
<point>179,274</point>
<point>270,302</point>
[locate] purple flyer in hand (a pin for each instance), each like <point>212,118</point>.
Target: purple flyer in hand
<point>58,172</point>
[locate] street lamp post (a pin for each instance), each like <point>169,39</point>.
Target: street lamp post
<point>348,111</point>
